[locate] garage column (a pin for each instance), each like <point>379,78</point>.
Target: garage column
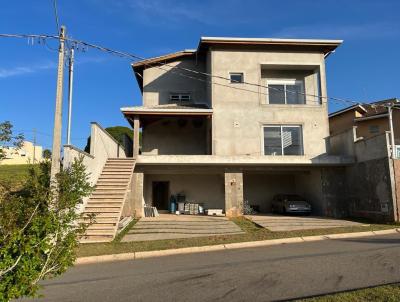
<point>137,192</point>
<point>233,194</point>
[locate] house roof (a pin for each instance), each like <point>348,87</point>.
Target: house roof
<point>357,107</point>
<point>168,109</point>
<point>323,45</point>
<point>166,57</point>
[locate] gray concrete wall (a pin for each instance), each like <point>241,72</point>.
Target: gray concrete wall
<point>172,136</point>
<point>239,115</point>
<point>370,183</point>
<point>201,188</point>
<point>158,83</point>
<point>370,192</point>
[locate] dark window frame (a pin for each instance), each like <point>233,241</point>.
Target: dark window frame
<point>241,74</point>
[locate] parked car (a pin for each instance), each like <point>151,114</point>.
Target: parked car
<point>290,203</point>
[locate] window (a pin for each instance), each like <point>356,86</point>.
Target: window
<point>283,140</point>
<point>373,129</point>
<point>180,97</point>
<point>236,77</point>
<point>282,91</point>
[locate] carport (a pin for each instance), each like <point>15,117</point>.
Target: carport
<point>259,187</point>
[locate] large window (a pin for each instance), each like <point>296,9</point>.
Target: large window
<point>281,91</point>
<point>283,140</point>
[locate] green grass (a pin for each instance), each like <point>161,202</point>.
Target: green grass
<point>13,175</point>
<point>385,293</point>
<point>252,233</point>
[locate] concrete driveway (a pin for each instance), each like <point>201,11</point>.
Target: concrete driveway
<point>279,223</point>
<point>169,226</point>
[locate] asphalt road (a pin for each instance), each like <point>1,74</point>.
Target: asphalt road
<point>257,274</point>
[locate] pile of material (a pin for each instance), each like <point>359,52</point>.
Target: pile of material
<point>150,211</point>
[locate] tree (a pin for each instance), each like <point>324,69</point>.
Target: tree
<point>7,139</point>
<point>46,153</point>
<point>40,228</point>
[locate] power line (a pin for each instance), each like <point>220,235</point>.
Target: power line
<point>159,66</point>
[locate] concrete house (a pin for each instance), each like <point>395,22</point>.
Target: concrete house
<point>369,120</point>
<point>213,132</point>
<point>234,120</point>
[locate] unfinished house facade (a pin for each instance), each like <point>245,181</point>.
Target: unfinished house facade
<point>235,119</point>
<point>233,122</point>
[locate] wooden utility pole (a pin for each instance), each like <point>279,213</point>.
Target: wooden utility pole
<point>56,150</point>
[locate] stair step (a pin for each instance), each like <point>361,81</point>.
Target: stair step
<point>106,215</point>
<point>105,199</point>
<point>95,209</point>
<point>104,204</point>
<point>116,180</point>
<point>113,194</point>
<point>100,232</point>
<point>101,226</point>
<point>117,172</point>
<point>114,177</point>
<point>110,190</point>
<point>112,223</point>
<point>108,186</point>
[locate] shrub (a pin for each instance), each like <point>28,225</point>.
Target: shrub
<point>39,232</point>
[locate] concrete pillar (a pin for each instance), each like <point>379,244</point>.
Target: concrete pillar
<point>137,194</point>
<point>233,194</point>
<point>136,127</point>
<point>208,135</point>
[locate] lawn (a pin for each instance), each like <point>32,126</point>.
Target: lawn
<point>252,233</point>
<point>13,175</point>
<point>385,293</point>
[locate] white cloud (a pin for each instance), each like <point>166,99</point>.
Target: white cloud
<point>23,70</point>
<point>47,65</point>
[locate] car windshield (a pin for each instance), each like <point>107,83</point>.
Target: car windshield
<point>293,197</point>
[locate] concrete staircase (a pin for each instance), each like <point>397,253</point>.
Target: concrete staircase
<point>107,201</point>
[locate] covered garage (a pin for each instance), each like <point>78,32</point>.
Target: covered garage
<point>259,187</point>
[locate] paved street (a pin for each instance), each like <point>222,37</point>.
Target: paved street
<point>257,274</point>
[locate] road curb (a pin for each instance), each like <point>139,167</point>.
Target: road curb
<point>228,246</point>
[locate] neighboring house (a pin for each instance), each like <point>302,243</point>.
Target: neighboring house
<point>369,119</point>
<point>226,138</point>
<point>27,154</point>
<point>373,182</point>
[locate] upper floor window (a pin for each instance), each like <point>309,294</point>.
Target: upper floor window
<point>285,91</point>
<point>283,140</point>
<point>180,97</point>
<point>236,77</point>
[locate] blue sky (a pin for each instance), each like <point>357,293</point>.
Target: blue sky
<point>365,68</point>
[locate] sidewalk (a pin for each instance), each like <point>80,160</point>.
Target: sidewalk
<point>229,246</point>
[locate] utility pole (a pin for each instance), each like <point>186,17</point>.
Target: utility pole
<point>56,149</point>
<point>34,145</point>
<point>70,86</point>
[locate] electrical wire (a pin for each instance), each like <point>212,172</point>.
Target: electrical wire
<point>159,66</point>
